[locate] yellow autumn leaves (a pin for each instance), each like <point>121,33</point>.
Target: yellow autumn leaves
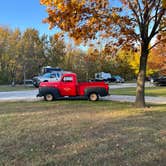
<point>164,4</point>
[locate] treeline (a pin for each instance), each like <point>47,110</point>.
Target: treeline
<point>23,54</point>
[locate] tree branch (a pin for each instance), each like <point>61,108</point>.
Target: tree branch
<point>140,10</point>
<point>154,45</point>
<point>135,12</point>
<point>158,16</point>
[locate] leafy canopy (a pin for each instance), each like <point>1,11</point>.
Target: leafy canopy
<point>125,22</point>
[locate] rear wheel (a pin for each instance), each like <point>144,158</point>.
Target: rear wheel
<point>93,96</point>
<point>48,97</point>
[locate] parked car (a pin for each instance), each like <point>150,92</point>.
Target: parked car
<point>47,77</point>
<point>68,86</point>
<point>28,82</point>
<point>119,79</point>
<point>49,69</point>
<point>160,81</point>
<point>102,76</point>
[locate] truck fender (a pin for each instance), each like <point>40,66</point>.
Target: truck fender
<point>46,90</point>
<point>98,90</point>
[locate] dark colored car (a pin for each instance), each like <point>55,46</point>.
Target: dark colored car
<point>119,79</point>
<point>161,81</point>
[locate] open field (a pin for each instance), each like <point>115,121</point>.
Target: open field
<point>81,133</point>
<point>149,91</point>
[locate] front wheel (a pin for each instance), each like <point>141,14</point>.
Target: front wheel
<point>48,97</point>
<point>93,97</point>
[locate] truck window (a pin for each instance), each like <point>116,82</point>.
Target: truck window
<point>68,79</point>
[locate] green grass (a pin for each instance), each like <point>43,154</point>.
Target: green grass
<point>73,133</point>
<point>150,91</point>
<point>6,88</point>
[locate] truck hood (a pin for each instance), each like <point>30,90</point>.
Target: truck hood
<point>49,84</point>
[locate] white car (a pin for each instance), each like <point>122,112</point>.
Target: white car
<point>47,77</point>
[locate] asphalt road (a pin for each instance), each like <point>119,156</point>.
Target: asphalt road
<point>125,98</point>
<point>30,95</point>
<point>128,85</point>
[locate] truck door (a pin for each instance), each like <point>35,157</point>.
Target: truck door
<point>68,86</point>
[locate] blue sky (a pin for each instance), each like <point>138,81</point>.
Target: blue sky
<point>24,14</point>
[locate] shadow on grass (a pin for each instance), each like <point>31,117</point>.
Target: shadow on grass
<point>63,104</point>
<point>87,139</point>
<point>136,140</point>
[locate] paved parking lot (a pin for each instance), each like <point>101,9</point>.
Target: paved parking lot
<point>125,98</point>
<point>128,85</point>
<point>30,95</point>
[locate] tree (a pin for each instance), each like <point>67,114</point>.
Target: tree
<point>32,53</point>
<point>157,60</point>
<point>126,23</point>
<point>13,53</point>
<point>55,51</point>
<point>126,64</point>
<point>4,37</point>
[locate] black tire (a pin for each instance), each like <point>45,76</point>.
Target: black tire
<point>36,86</point>
<point>49,97</point>
<point>93,96</point>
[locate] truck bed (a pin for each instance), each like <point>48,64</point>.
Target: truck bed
<point>83,85</point>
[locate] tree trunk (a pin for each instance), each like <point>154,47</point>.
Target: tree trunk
<point>24,74</point>
<point>140,90</point>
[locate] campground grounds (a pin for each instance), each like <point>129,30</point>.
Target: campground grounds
<point>159,91</point>
<point>80,132</point>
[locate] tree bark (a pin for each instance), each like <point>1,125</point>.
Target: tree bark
<point>140,90</point>
<point>24,73</point>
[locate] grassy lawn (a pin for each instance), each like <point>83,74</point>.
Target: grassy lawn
<point>150,91</point>
<point>6,88</point>
<point>73,133</point>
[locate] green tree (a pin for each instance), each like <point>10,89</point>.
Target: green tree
<point>55,51</point>
<point>13,53</point>
<point>32,53</point>
<point>4,37</point>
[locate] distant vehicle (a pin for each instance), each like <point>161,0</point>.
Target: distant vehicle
<point>28,82</point>
<point>49,69</point>
<point>102,76</point>
<point>107,77</point>
<point>119,79</point>
<point>160,81</point>
<point>47,77</point>
<point>68,86</point>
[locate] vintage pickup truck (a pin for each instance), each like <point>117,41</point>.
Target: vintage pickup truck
<point>68,86</point>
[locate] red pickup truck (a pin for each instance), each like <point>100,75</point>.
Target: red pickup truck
<point>68,86</point>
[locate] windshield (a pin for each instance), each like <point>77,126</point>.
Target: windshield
<point>117,77</point>
<point>47,75</point>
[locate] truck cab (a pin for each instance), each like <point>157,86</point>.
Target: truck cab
<point>68,85</point>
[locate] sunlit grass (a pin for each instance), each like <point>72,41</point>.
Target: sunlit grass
<point>81,133</point>
<point>149,91</point>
